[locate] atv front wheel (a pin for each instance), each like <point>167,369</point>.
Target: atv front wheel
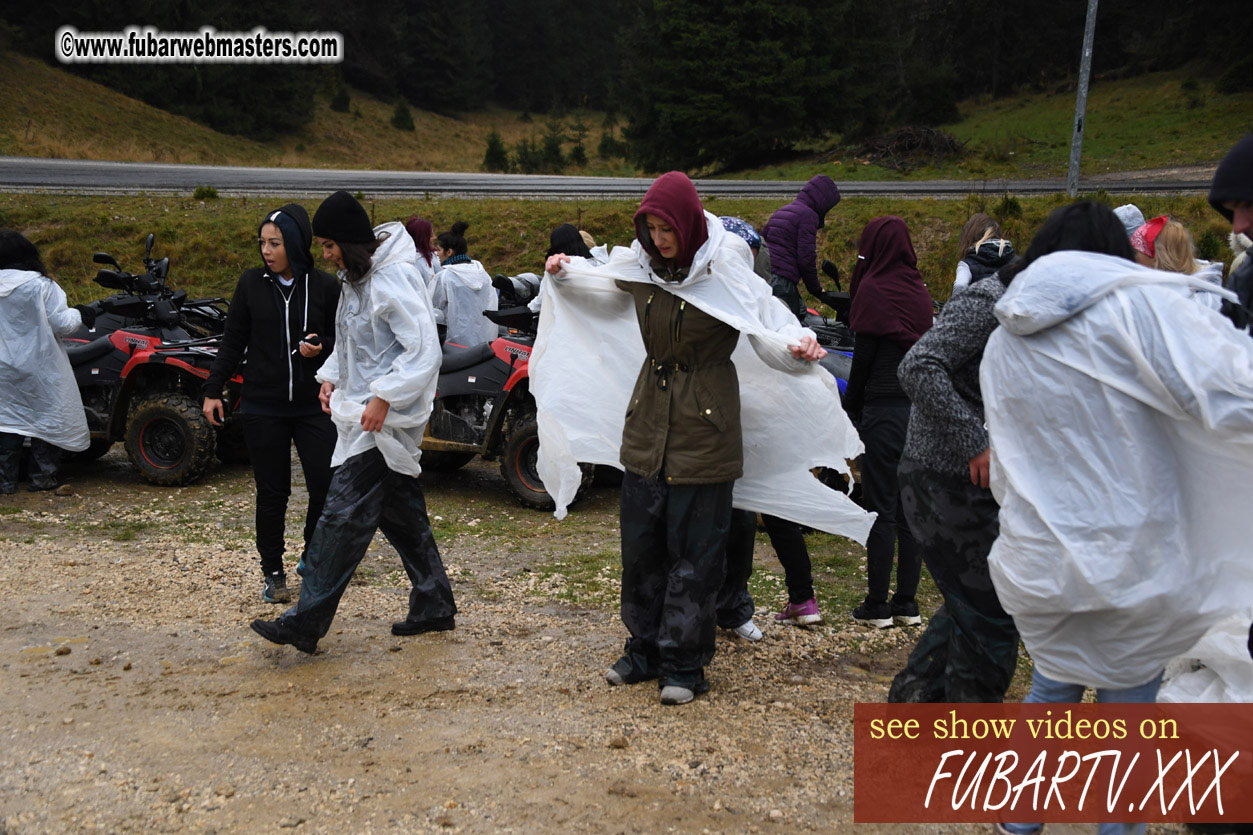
<point>168,439</point>
<point>519,467</point>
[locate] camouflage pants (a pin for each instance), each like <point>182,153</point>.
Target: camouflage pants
<point>674,540</point>
<point>366,495</point>
<point>42,464</point>
<point>969,650</point>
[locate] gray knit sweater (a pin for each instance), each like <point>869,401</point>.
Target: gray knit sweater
<point>941,376</point>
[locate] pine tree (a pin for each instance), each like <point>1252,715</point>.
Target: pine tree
<point>402,119</point>
<point>495,158</point>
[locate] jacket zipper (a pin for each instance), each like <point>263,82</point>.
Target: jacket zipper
<point>287,339</point>
<point>648,310</point>
<point>678,323</point>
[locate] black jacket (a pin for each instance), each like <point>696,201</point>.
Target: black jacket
<point>276,374</point>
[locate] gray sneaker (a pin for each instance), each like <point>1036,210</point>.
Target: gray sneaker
<point>673,694</point>
<point>274,589</point>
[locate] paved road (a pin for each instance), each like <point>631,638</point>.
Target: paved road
<point>27,174</point>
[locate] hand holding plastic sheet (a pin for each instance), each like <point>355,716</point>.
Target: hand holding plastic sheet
<point>588,353</point>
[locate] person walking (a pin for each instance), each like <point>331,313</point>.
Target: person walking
<point>1104,584</point>
<point>39,397</point>
<point>890,311</point>
<point>282,316</point>
<point>379,387</point>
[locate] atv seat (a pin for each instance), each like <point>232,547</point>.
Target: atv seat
<point>458,357</point>
<point>85,353</point>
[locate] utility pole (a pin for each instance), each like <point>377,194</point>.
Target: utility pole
<point>1081,102</point>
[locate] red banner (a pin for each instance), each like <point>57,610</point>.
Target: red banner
<point>1074,763</point>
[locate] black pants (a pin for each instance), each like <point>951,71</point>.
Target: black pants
<point>883,432</point>
<point>788,540</point>
<point>790,292</point>
<point>365,496</point>
<point>269,441</point>
<point>970,648</point>
<point>735,604</point>
<point>42,465</point>
<point>674,541</point>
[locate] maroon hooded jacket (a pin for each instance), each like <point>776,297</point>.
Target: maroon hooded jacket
<point>791,232</point>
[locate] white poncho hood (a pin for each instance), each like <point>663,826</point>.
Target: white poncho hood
<point>588,353</point>
<point>385,346</point>
<point>40,397</point>
<point>463,292</point>
<point>1121,424</point>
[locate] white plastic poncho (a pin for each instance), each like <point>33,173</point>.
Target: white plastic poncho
<point>385,346</point>
<point>38,395</point>
<point>462,292</point>
<point>1121,425</point>
<point>588,353</point>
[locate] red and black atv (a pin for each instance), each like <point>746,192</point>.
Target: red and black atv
<point>140,369</point>
<point>483,406</point>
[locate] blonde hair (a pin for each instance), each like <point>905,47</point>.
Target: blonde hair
<point>980,229</point>
<point>1174,250</point>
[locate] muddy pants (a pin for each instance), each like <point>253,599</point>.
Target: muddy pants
<point>735,604</point>
<point>674,541</point>
<point>41,465</point>
<point>970,648</point>
<point>269,441</point>
<point>365,496</point>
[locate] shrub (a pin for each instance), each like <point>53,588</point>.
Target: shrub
<point>1209,245</point>
<point>578,155</point>
<point>495,158</point>
<point>1007,208</point>
<point>205,193</point>
<point>402,119</point>
<point>527,156</point>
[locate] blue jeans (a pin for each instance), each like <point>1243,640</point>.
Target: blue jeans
<point>1045,690</point>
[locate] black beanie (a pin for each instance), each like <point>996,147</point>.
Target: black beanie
<point>343,220</point>
<point>1234,178</point>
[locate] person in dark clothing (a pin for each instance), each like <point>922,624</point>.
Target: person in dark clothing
<point>379,387</point>
<point>983,250</point>
<point>791,236</point>
<point>891,309</point>
<point>682,442</point>
<point>283,316</point>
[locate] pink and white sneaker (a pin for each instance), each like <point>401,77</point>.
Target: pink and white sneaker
<point>800,614</point>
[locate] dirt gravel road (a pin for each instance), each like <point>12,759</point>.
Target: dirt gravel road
<point>136,699</point>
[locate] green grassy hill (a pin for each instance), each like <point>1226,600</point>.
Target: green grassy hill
<point>1159,120</point>
<point>47,112</point>
<point>1152,121</point>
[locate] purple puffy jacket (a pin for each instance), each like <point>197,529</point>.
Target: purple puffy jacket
<point>791,231</point>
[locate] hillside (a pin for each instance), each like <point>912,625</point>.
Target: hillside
<point>48,112</point>
<point>1153,121</point>
<point>1159,120</point>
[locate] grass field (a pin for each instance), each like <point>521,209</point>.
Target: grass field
<point>211,242</point>
<point>1152,121</point>
<point>47,112</point>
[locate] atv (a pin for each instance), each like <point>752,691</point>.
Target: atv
<point>140,368</point>
<point>484,407</point>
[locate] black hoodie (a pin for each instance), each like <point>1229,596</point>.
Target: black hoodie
<point>269,325</point>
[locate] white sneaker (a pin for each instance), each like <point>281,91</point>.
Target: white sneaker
<point>748,631</point>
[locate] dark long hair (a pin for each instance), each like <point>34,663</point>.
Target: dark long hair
<point>357,259</point>
<point>1083,226</point>
<point>17,253</point>
<point>420,230</point>
<point>455,238</point>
